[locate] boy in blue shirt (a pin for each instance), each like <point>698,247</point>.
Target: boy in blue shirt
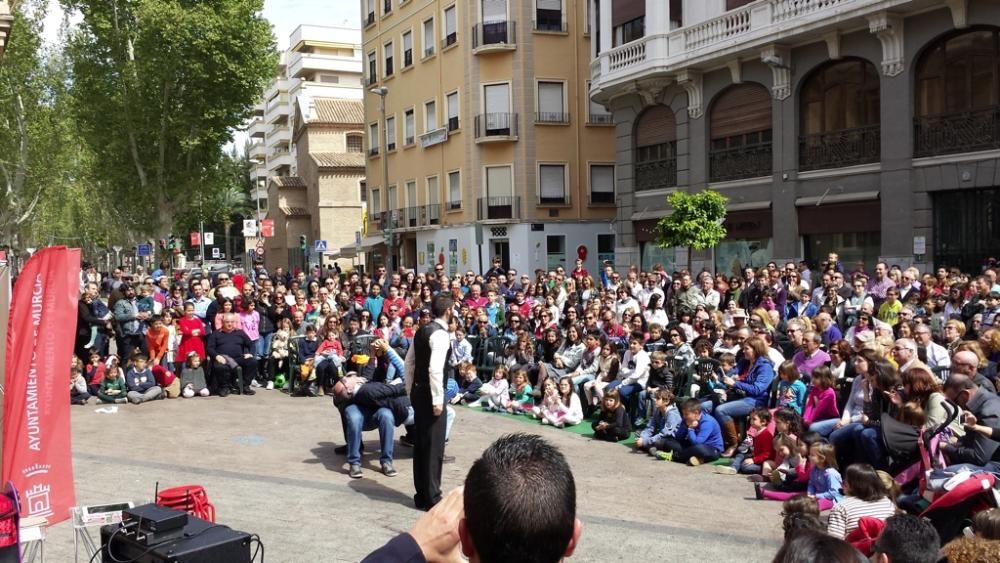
<point>698,440</point>
<point>664,423</point>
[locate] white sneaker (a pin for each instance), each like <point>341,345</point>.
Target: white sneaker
<point>270,385</point>
<point>254,383</point>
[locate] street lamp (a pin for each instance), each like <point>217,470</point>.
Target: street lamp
<point>382,92</point>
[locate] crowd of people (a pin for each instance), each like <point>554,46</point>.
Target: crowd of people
<point>784,374</point>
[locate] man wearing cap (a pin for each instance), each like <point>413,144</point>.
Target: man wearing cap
<point>427,368</point>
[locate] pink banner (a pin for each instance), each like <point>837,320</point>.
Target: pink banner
<point>37,455</point>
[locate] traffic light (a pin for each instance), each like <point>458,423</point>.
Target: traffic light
<point>302,243</point>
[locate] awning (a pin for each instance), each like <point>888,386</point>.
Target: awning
<point>371,242</point>
<point>347,252</point>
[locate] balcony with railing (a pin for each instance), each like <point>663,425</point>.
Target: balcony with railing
<point>422,216</point>
<point>496,127</point>
<point>305,64</point>
<point>449,40</point>
<point>389,220</point>
<point>957,132</point>
<point>257,151</point>
<point>549,117</point>
<point>491,37</point>
<point>600,119</point>
<point>837,149</point>
<point>278,136</point>
<point>733,33</point>
<point>737,162</point>
<point>498,208</point>
<point>279,158</point>
<point>655,174</point>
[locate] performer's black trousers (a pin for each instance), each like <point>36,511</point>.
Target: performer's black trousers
<point>428,448</point>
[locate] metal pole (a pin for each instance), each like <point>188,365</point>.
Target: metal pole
<point>201,239</point>
<point>383,92</point>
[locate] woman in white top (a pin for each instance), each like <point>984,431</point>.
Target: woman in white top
<point>654,312</point>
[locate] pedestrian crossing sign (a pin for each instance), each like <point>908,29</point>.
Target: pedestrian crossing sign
<point>321,246</point>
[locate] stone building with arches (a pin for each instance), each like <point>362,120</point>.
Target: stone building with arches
<point>866,127</point>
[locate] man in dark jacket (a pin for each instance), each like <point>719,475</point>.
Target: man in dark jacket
<point>229,349</point>
<point>976,447</point>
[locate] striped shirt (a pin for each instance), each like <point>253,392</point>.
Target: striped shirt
<point>845,515</point>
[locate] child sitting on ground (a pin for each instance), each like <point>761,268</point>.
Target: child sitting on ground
<point>787,472</point>
<point>864,495</point>
<point>567,410</point>
<point>521,400</point>
<point>94,373</point>
<point>663,424</point>
<point>756,448</point>
<point>468,384</point>
<point>494,395</point>
<point>113,387</point>
<point>791,390</point>
<point>78,394</point>
<point>659,378</point>
<point>612,424</point>
<point>801,514</point>
<point>784,489</point>
<point>141,384</point>
<point>786,423</point>
<point>698,440</point>
<point>550,400</point>
<point>193,377</point>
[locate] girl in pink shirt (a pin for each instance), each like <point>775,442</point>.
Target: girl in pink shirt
<point>821,412</point>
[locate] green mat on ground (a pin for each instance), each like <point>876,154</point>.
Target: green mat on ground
<point>722,461</point>
<point>582,429</point>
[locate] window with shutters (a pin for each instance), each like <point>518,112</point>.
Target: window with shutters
<point>450,26</point>
<point>387,49</point>
<point>375,202</point>
<point>407,48</point>
<point>453,111</point>
<point>430,116</point>
<point>602,183</point>
<point>372,68</point>
<point>740,128</point>
<point>552,184</point>
<point>655,156</point>
<point>408,128</point>
<point>597,114</point>
<point>433,197</point>
<point>355,143</point>
<point>428,37</point>
<point>363,187</point>
<point>495,25</point>
<point>391,203</point>
<point>551,103</point>
<point>390,134</point>
<point>497,119</point>
<point>370,20</point>
<point>455,190</point>
<point>499,202</point>
<point>839,116</point>
<point>548,15</point>
<point>411,214</point>
<point>958,93</point>
<point>373,140</point>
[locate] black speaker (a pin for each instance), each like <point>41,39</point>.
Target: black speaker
<point>201,542</point>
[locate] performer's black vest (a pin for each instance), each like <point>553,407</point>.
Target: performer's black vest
<point>422,357</point>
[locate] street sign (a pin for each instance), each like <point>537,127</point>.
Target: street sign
<point>267,228</point>
<point>260,248</point>
<point>195,239</point>
<point>216,253</point>
<point>143,250</point>
<point>321,246</point>
<point>249,228</point>
<point>117,249</point>
<point>209,239</point>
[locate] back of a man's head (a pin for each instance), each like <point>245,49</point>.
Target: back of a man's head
<point>910,539</point>
<point>520,502</point>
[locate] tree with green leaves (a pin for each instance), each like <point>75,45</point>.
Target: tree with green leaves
<point>695,221</point>
<point>158,88</point>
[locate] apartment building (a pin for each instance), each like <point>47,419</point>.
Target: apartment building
<point>867,127</point>
<point>306,144</point>
<point>489,145</point>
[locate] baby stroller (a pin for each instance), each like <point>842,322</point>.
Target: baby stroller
<point>912,451</point>
<point>953,509</point>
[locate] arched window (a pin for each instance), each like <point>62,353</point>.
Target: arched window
<point>741,133</point>
<point>958,94</point>
<point>656,149</point>
<point>840,116</point>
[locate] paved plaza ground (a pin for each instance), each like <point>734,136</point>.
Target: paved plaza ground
<point>267,463</point>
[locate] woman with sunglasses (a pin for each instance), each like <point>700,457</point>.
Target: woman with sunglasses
<point>858,300</point>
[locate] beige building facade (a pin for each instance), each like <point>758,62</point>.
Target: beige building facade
<point>490,142</point>
<point>6,23</point>
<point>323,201</point>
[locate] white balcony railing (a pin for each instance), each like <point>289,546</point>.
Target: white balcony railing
<point>730,24</point>
<point>256,151</point>
<point>733,33</point>
<point>278,135</point>
<point>301,64</point>
<point>790,9</point>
